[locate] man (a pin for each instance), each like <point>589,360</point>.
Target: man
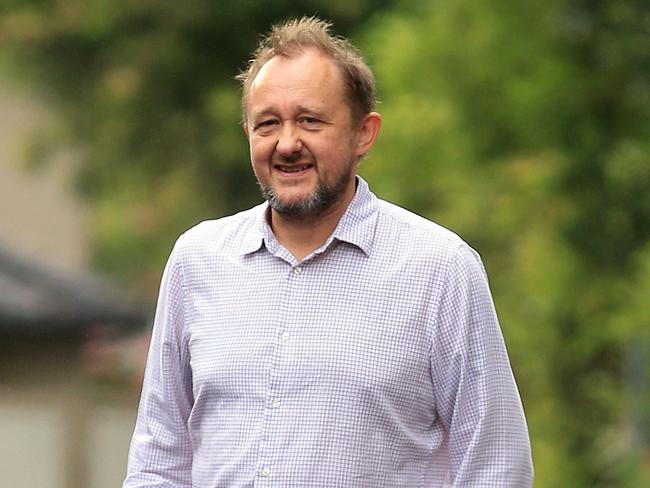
<point>325,338</point>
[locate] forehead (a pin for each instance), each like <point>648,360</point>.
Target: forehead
<point>310,76</point>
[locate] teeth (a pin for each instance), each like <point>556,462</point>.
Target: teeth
<point>294,169</point>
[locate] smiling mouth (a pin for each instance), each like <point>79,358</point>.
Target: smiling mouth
<point>294,168</point>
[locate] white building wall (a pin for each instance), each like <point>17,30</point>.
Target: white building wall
<point>30,452</point>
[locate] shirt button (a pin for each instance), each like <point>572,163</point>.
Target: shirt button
<point>266,471</point>
<point>297,270</point>
<point>275,403</point>
<point>284,336</point>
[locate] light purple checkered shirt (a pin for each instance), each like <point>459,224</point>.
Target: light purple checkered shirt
<point>376,361</point>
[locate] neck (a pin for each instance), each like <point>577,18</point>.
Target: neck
<point>302,235</point>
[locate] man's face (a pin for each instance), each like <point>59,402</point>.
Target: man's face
<point>304,145</point>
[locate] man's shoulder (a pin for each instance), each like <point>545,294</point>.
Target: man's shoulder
<point>422,242</point>
<point>416,228</point>
<point>225,233</point>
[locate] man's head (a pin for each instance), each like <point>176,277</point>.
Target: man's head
<point>292,38</point>
<point>306,136</point>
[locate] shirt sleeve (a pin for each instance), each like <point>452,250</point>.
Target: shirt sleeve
<point>161,453</point>
<point>476,395</point>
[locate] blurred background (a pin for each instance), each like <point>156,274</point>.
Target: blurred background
<point>523,126</point>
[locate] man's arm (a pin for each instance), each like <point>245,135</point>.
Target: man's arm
<point>476,394</point>
<point>161,451</point>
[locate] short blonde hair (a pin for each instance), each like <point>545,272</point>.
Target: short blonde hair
<point>291,38</point>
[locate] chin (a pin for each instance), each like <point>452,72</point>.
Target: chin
<point>293,195</point>
<point>305,205</point>
<point>294,205</point>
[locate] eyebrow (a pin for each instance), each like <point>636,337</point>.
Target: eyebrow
<point>262,113</point>
<point>312,110</point>
<point>299,110</point>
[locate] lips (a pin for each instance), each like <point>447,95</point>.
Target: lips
<point>293,168</point>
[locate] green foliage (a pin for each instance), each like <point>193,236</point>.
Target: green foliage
<point>521,125</point>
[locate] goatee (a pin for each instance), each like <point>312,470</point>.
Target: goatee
<point>313,205</point>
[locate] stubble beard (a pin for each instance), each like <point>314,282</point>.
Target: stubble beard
<point>313,205</point>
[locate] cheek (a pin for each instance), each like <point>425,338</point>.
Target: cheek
<point>260,151</point>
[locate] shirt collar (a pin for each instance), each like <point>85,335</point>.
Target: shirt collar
<point>256,232</point>
<point>356,227</point>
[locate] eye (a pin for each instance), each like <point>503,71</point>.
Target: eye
<point>310,121</point>
<point>264,124</point>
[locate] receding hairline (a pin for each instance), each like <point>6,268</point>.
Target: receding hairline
<point>306,51</point>
<point>294,38</point>
<point>335,73</point>
<point>299,52</point>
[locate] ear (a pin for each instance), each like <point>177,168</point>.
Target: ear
<point>244,126</point>
<point>368,129</point>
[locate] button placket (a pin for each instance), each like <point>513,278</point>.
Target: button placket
<point>284,335</point>
<point>267,449</point>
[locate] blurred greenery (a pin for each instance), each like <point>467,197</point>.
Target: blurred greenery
<point>524,126</point>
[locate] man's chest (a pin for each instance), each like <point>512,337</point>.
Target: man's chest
<point>352,327</point>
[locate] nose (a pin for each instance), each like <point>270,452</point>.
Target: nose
<point>289,142</point>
